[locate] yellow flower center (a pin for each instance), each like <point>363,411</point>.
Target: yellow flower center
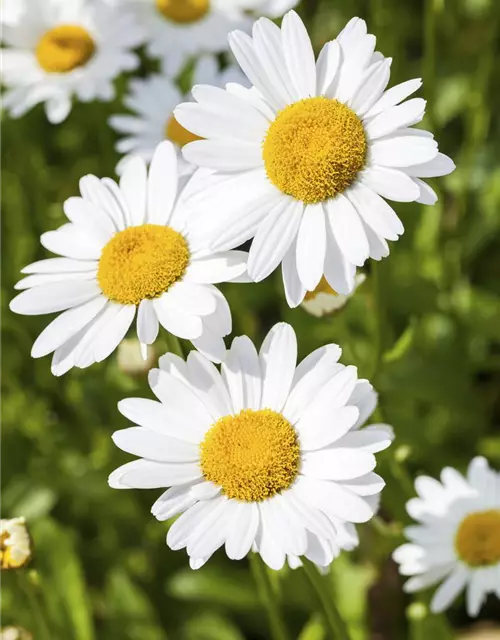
<point>252,456</point>
<point>175,132</point>
<point>314,149</point>
<point>323,287</point>
<point>478,538</point>
<point>64,48</point>
<point>142,262</point>
<point>183,11</point>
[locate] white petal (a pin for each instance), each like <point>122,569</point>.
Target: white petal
<point>311,246</point>
<point>162,183</point>
<point>60,265</point>
<point>219,267</point>
<point>337,464</point>
<point>208,385</point>
<point>133,186</point>
<point>404,115</point>
<point>339,272</point>
<point>65,326</point>
<point>242,531</point>
<point>390,183</point>
<point>182,403</point>
<point>403,151</point>
<point>294,289</point>
<point>157,417</point>
<point>376,212</point>
<point>57,296</point>
<point>147,474</point>
<point>371,87</point>
<point>450,589</point>
<point>147,322</point>
<point>278,357</point>
<point>314,520</point>
<point>87,216</point>
<point>372,439</point>
<point>155,446</point>
<point>104,334</point>
<point>441,165</point>
<point>310,377</point>
<point>394,96</point>
<point>173,501</point>
<point>241,373</point>
<point>179,533</point>
<point>224,155</point>
<point>274,237</point>
<point>427,194</point>
<point>477,591</point>
<point>299,55</point>
<point>72,242</point>
<point>324,422</point>
<point>175,319</point>
<point>347,229</point>
<point>327,67</point>
<point>269,548</point>
<point>367,485</point>
<point>211,345</point>
<point>193,299</point>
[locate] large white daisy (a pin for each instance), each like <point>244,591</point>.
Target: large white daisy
<point>152,101</point>
<point>177,30</point>
<point>457,538</point>
<point>265,455</point>
<point>128,248</point>
<point>304,160</point>
<point>57,50</point>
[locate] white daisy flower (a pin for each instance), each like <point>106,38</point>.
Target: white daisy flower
<point>130,358</point>
<point>153,101</point>
<point>324,300</point>
<point>457,538</point>
<point>15,543</point>
<point>264,455</point>
<point>128,248</point>
<point>304,160</point>
<point>269,8</point>
<point>58,50</point>
<point>181,29</point>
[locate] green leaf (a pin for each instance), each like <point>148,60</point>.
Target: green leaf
<point>313,630</point>
<point>211,626</point>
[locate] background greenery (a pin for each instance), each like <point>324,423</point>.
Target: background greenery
<point>425,327</point>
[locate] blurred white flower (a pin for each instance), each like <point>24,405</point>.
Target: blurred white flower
<point>457,538</point>
<point>130,357</point>
<point>303,161</point>
<point>15,543</point>
<point>265,455</point>
<point>152,101</point>
<point>57,50</point>
<point>177,30</point>
<point>128,248</point>
<point>324,300</point>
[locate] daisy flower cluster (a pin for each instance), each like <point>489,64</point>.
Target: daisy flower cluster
<point>299,155</point>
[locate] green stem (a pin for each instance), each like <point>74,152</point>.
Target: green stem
<point>378,321</point>
<point>29,590</point>
<point>432,8</point>
<point>335,624</point>
<point>268,598</point>
<point>174,345</point>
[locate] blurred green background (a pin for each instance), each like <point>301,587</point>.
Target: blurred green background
<point>425,327</point>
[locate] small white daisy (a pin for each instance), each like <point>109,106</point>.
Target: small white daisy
<point>324,300</point>
<point>153,101</point>
<point>265,455</point>
<point>269,8</point>
<point>177,30</point>
<point>128,248</point>
<point>457,539</point>
<point>57,50</point>
<point>15,544</point>
<point>302,163</point>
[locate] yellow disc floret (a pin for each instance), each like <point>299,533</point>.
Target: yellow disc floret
<point>314,149</point>
<point>252,456</point>
<point>175,132</point>
<point>183,11</point>
<point>323,287</point>
<point>141,263</point>
<point>64,48</point>
<point>478,538</point>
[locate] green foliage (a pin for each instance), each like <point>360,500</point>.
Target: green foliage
<point>424,327</point>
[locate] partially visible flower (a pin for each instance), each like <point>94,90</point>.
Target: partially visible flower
<point>127,249</point>
<point>152,101</point>
<point>457,538</point>
<point>177,30</point>
<point>57,50</point>
<point>130,357</point>
<point>15,633</point>
<point>304,161</point>
<point>265,455</point>
<point>269,8</point>
<point>15,543</point>
<point>324,300</point>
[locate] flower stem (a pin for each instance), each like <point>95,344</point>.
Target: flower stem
<point>268,598</point>
<point>32,596</point>
<point>336,625</point>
